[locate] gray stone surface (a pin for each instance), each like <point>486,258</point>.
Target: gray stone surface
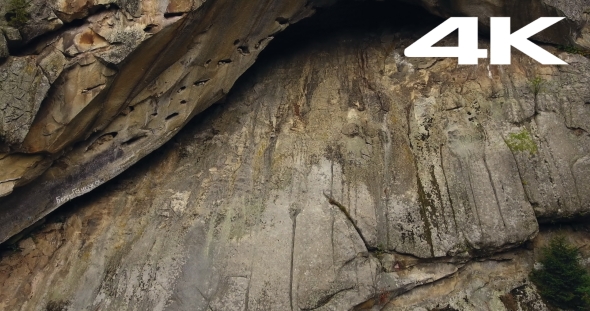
<point>337,175</point>
<point>3,47</point>
<point>12,34</point>
<point>23,86</point>
<point>495,284</point>
<point>124,55</point>
<point>268,202</point>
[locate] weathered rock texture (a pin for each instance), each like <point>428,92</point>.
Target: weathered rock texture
<point>337,175</point>
<point>107,82</point>
<point>119,96</point>
<point>574,31</point>
<point>497,283</point>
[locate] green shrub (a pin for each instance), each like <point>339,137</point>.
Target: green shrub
<point>537,85</point>
<point>574,50</point>
<point>17,15</point>
<point>563,281</point>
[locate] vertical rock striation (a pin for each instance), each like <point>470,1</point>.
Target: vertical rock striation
<point>336,175</point>
<point>107,82</point>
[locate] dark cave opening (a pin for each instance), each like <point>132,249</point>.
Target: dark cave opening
<point>348,16</point>
<point>362,19</point>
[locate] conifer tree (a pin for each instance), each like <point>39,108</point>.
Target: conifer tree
<point>562,280</point>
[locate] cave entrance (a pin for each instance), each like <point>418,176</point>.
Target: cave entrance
<point>352,16</point>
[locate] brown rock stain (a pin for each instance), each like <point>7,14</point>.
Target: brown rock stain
<point>87,38</point>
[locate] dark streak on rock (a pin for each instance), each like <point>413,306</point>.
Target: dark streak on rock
<point>343,209</point>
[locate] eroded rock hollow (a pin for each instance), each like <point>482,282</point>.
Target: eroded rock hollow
<point>336,174</point>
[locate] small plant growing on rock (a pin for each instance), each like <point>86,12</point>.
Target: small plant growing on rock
<point>17,15</point>
<point>537,85</point>
<point>574,50</point>
<point>563,281</point>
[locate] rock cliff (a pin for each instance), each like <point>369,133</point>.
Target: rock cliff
<point>337,174</point>
<point>94,86</point>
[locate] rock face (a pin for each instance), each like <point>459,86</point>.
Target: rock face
<point>115,115</point>
<point>108,82</point>
<point>575,31</point>
<point>336,175</point>
<point>25,87</point>
<point>498,283</point>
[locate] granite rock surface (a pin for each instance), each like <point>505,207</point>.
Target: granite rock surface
<point>363,180</point>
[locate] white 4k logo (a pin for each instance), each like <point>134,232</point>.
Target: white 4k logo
<point>501,41</point>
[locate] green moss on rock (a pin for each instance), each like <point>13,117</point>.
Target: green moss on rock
<point>522,142</point>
